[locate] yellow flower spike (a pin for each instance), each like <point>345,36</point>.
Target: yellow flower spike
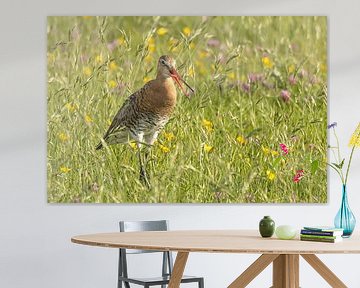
<point>113,66</point>
<point>208,125</point>
<point>267,62</point>
<point>99,59</point>
<point>355,138</point>
<point>64,169</point>
<point>208,148</point>
<point>187,31</point>
<point>112,84</point>
<point>265,150</point>
<point>63,137</point>
<point>88,119</point>
<point>270,175</point>
<point>241,140</point>
<point>162,31</point>
<point>87,71</point>
<point>274,153</point>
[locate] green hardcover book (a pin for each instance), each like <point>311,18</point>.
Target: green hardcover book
<point>325,240</point>
<point>319,236</point>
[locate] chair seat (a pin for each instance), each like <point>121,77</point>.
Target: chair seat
<point>158,280</point>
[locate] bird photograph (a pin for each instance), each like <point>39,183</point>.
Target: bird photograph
<point>186,109</point>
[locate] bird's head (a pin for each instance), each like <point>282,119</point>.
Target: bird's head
<point>166,68</point>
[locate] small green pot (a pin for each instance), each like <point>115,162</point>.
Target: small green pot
<point>266,227</point>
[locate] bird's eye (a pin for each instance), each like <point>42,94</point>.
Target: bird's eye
<point>162,61</point>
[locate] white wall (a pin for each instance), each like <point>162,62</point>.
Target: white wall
<point>35,248</point>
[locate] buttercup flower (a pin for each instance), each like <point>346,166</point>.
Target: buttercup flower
<point>208,125</point>
<point>164,149</point>
<point>241,139</point>
<point>270,175</point>
<point>88,119</point>
<point>63,136</point>
<point>64,169</point>
<point>208,148</point>
<point>187,31</point>
<point>267,62</point>
<point>162,31</point>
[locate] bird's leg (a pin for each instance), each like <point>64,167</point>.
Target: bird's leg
<point>143,175</point>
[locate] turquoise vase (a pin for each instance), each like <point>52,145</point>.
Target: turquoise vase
<point>345,219</point>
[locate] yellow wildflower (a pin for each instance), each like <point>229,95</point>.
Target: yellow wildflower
<point>63,136</point>
<point>120,41</point>
<point>231,75</point>
<point>162,31</point>
<point>187,31</point>
<point>291,68</point>
<point>270,175</point>
<point>164,149</point>
<point>99,58</point>
<point>192,45</point>
<point>208,148</point>
<point>51,57</point>
<point>146,79</point>
<point>112,84</point>
<point>173,44</point>
<point>208,125</point>
<point>241,140</point>
<point>191,71</point>
<point>108,121</point>
<point>112,65</point>
<point>355,137</point>
<point>268,151</point>
<point>267,62</point>
<point>203,54</point>
<point>87,17</point>
<point>64,169</point>
<point>88,119</point>
<point>70,107</point>
<point>87,71</point>
<point>169,136</point>
<point>133,145</point>
<point>149,58</point>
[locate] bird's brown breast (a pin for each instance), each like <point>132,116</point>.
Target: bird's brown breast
<point>159,97</point>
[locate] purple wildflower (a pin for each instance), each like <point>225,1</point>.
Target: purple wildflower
<point>332,125</point>
<point>292,79</point>
<point>213,42</point>
<point>285,95</point>
<point>245,87</point>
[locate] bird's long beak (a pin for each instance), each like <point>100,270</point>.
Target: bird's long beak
<point>175,75</point>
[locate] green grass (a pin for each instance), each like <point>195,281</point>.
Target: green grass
<point>202,161</point>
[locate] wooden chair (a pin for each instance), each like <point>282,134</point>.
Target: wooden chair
<point>167,262</point>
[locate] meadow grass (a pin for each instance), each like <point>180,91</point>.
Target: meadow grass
<point>260,82</point>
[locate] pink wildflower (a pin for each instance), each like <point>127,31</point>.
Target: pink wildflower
<point>285,95</point>
<point>284,149</point>
<point>298,176</point>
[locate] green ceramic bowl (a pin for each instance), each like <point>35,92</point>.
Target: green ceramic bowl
<point>285,232</point>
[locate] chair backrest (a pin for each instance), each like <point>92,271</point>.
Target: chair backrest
<point>134,226</point>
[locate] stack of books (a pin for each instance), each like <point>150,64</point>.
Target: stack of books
<point>321,234</point>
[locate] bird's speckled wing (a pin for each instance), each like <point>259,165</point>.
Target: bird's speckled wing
<point>118,131</point>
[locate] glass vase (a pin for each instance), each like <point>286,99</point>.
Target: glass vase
<point>345,219</point>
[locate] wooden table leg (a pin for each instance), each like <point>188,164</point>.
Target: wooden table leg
<point>178,270</point>
<point>253,270</point>
<point>324,271</point>
<point>286,271</point>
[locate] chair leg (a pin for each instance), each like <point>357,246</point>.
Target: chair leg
<point>201,283</point>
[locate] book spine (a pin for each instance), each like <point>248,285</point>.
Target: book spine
<point>319,236</point>
<point>318,239</point>
<point>320,233</point>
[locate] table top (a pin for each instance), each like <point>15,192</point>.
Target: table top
<point>217,241</point>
